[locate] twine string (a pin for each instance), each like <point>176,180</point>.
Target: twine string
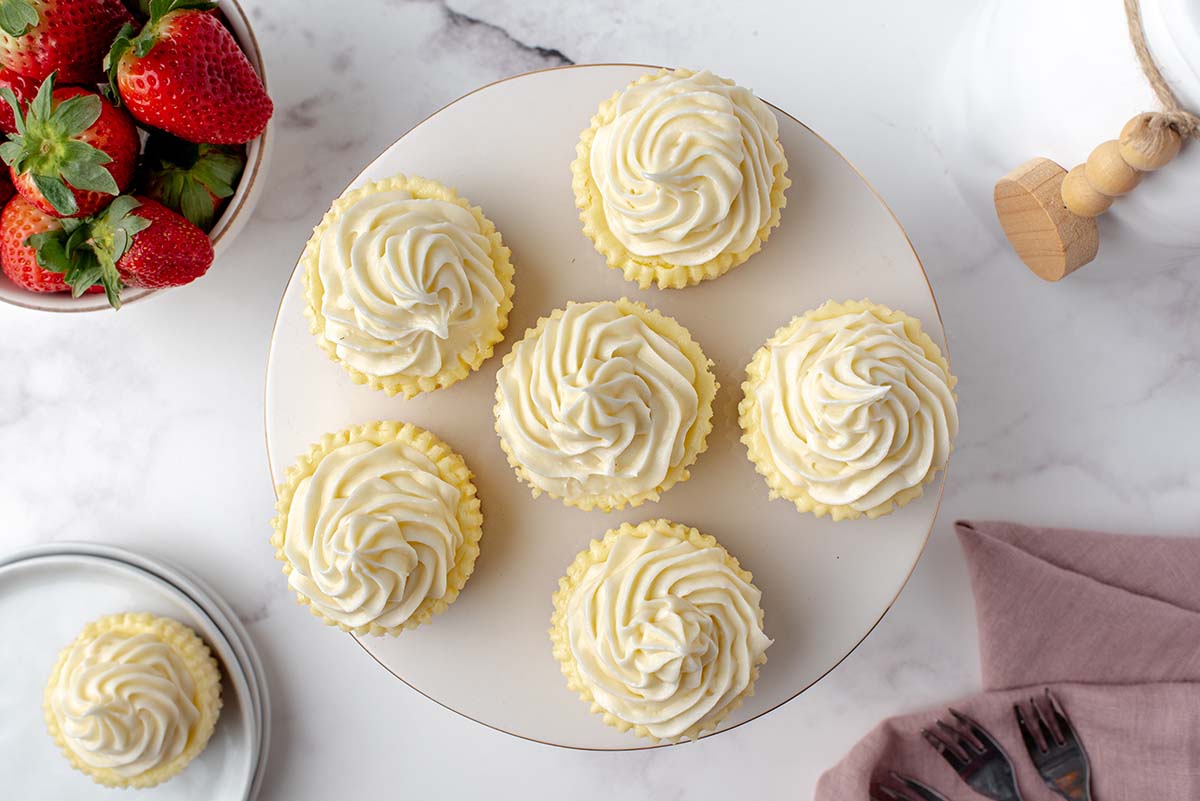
<point>1173,113</point>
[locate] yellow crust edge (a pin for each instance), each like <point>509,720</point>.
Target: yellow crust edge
<point>399,383</point>
<point>196,658</point>
<point>696,441</point>
<point>647,270</point>
<point>749,412</point>
<point>451,468</point>
<point>597,552</point>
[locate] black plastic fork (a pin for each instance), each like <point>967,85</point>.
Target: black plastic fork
<point>975,756</point>
<point>1055,749</point>
<point>901,788</point>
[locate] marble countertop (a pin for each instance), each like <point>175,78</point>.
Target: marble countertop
<point>145,428</point>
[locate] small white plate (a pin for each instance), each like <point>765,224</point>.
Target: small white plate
<point>508,147</point>
<point>45,599</point>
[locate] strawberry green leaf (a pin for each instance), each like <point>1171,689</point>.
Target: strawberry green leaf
<point>111,280</point>
<point>218,170</point>
<point>196,204</point>
<point>50,249</point>
<point>89,176</point>
<point>81,251</point>
<point>144,42</point>
<point>112,60</point>
<point>160,8</point>
<point>83,272</point>
<point>121,207</point>
<point>76,114</point>
<point>40,106</point>
<point>112,231</point>
<point>50,149</point>
<point>12,153</point>
<point>189,178</point>
<point>78,232</point>
<point>76,150</point>
<point>57,194</point>
<point>17,16</point>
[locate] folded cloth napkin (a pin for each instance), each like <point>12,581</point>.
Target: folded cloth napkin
<point>1110,623</point>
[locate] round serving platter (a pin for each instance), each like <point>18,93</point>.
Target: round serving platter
<point>62,587</point>
<point>508,147</point>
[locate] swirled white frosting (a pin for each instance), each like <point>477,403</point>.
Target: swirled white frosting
<point>853,411</point>
<point>664,633</point>
<point>124,702</point>
<point>408,283</point>
<point>685,169</point>
<point>598,404</point>
<point>372,533</point>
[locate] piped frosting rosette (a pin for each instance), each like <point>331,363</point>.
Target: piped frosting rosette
<point>133,699</point>
<point>407,285</point>
<point>378,527</point>
<point>849,410</point>
<point>680,177</point>
<point>659,629</point>
<point>604,404</point>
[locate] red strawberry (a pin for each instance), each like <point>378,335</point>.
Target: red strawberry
<point>191,179</point>
<point>23,89</point>
<point>133,242</point>
<point>73,150</point>
<point>185,74</point>
<point>38,37</point>
<point>22,262</point>
<point>164,249</point>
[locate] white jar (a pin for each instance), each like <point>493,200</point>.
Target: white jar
<point>1055,78</point>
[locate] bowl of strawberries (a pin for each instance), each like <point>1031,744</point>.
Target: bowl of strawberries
<point>132,135</point>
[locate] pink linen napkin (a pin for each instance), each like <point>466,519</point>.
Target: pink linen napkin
<point>1111,623</point>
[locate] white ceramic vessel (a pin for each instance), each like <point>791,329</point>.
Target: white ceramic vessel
<point>1035,78</point>
<point>508,147</point>
<point>234,216</point>
<point>47,594</point>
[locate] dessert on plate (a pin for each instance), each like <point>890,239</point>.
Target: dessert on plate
<point>680,177</point>
<point>408,286</point>
<point>849,410</point>
<point>604,404</point>
<point>378,527</point>
<point>659,629</point>
<point>133,699</point>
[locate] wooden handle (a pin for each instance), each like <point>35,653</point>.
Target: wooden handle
<point>1048,213</point>
<point>1051,240</point>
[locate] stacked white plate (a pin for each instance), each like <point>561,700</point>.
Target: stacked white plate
<point>47,594</point>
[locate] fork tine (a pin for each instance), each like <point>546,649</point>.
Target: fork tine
<point>1031,742</point>
<point>947,751</point>
<point>977,731</point>
<point>965,737</point>
<point>965,742</point>
<point>1061,719</point>
<point>924,792</point>
<point>1053,738</point>
<point>879,792</point>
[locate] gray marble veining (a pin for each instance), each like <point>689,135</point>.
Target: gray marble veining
<point>145,428</point>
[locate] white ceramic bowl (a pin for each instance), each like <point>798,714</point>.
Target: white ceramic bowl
<point>237,211</point>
